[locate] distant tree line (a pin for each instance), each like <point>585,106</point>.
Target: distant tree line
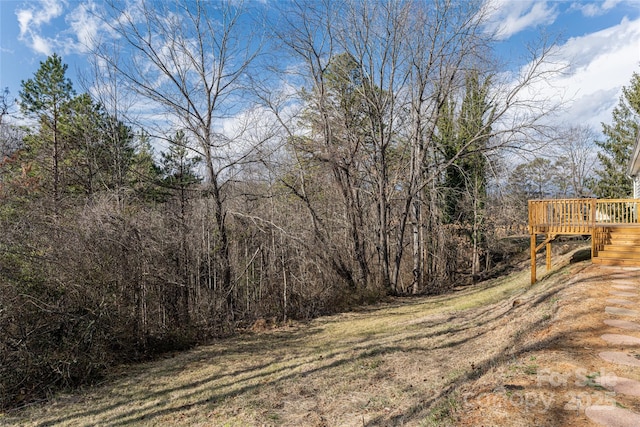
<point>201,182</point>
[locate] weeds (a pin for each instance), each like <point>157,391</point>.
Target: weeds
<point>443,413</point>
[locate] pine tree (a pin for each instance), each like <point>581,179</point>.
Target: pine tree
<point>464,136</point>
<point>81,128</point>
<point>616,148</point>
<point>100,149</point>
<point>145,174</point>
<point>179,178</point>
<point>44,97</point>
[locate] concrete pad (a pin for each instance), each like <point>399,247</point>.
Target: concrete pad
<point>621,311</point>
<point>620,385</point>
<point>623,294</point>
<point>619,358</point>
<point>619,339</point>
<point>612,416</point>
<point>619,301</point>
<point>625,287</point>
<point>623,324</point>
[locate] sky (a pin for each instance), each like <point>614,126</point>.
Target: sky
<point>598,42</point>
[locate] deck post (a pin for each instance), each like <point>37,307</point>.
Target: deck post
<point>591,216</point>
<point>533,258</point>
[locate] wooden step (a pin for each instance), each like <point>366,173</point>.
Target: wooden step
<point>624,233</point>
<point>622,227</point>
<point>624,238</point>
<point>616,262</point>
<point>619,254</point>
<point>622,243</point>
<point>632,231</point>
<point>622,246</point>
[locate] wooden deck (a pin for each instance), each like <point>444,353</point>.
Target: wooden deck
<point>597,218</point>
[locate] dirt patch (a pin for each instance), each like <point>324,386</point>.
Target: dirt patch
<point>566,373</point>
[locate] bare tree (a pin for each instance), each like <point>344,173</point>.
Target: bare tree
<point>188,60</point>
<point>109,89</point>
<point>381,131</point>
<point>331,137</point>
<point>5,106</point>
<point>10,135</point>
<point>575,153</point>
<point>450,46</point>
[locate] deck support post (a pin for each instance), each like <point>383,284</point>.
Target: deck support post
<point>534,250</point>
<point>534,238</point>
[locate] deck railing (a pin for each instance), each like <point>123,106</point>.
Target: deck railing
<point>577,216</point>
<point>617,211</point>
<point>580,216</point>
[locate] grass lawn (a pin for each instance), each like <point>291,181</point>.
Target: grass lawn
<point>398,363</point>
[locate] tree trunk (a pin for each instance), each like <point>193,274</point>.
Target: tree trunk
<point>417,247</point>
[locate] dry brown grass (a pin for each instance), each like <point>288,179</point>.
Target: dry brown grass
<point>551,378</point>
<point>409,362</point>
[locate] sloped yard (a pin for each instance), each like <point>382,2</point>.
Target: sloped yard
<point>429,361</point>
<point>558,371</point>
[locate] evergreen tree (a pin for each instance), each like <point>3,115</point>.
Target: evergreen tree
<point>44,97</point>
<point>178,179</point>
<point>144,175</point>
<point>616,148</point>
<point>119,152</point>
<point>178,167</point>
<point>100,148</point>
<point>82,132</point>
<point>463,137</point>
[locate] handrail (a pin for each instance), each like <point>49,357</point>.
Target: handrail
<point>618,211</point>
<point>580,216</point>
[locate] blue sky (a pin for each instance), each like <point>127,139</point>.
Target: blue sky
<point>599,41</point>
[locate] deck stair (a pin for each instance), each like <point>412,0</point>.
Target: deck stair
<point>613,224</point>
<point>621,246</point>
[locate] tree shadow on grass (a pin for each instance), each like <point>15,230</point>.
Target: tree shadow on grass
<point>560,414</point>
<point>241,347</point>
<point>223,385</point>
<point>293,356</point>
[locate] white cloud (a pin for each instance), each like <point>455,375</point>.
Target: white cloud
<point>40,32</point>
<point>35,17</point>
<point>508,17</point>
<point>85,25</point>
<point>32,19</point>
<point>592,9</point>
<point>41,45</point>
<point>599,65</point>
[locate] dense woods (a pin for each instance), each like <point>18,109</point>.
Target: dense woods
<point>222,167</point>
